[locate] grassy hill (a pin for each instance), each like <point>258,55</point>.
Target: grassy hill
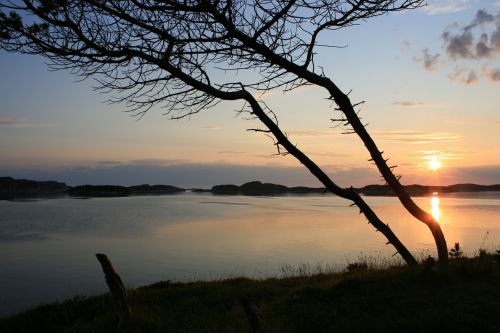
<point>463,298</point>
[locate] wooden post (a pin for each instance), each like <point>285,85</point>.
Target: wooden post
<point>117,289</point>
<point>253,313</point>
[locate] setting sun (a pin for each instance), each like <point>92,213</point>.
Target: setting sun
<point>434,163</point>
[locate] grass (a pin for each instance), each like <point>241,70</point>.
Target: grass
<point>463,298</point>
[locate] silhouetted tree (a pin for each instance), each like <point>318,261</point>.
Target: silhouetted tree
<point>171,52</point>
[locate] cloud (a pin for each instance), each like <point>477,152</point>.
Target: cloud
<point>482,174</point>
<point>202,175</point>
<point>231,152</point>
<point>493,74</point>
<point>290,89</point>
<point>471,77</point>
<point>15,122</point>
<point>313,133</point>
<point>213,128</point>
<point>482,49</point>
<point>482,17</point>
<point>463,44</point>
<point>205,175</point>
<point>430,61</point>
<point>268,156</point>
<point>410,104</point>
<point>108,162</point>
<point>435,7</point>
<point>323,154</point>
<point>259,95</point>
<point>479,40</point>
<point>460,45</point>
<point>415,137</point>
<point>157,161</point>
<point>464,75</point>
<point>489,174</point>
<point>442,154</point>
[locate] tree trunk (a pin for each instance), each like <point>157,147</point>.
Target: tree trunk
<point>345,105</point>
<point>117,289</point>
<point>348,193</point>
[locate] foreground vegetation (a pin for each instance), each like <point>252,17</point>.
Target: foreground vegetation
<point>463,298</point>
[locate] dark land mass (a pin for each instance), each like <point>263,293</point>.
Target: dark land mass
<point>122,191</point>
<point>462,298</point>
<point>99,191</point>
<point>258,188</point>
<point>11,188</point>
<point>422,190</point>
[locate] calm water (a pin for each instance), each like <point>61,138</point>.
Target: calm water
<point>47,247</point>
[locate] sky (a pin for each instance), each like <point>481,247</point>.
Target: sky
<point>429,79</point>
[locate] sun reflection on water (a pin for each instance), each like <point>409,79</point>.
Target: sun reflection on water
<point>436,213</point>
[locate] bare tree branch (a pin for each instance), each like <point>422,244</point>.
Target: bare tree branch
<point>173,54</point>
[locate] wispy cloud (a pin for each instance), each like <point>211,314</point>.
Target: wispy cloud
<point>324,154</point>
<point>104,163</point>
<point>230,152</point>
<point>443,154</point>
<point>430,61</point>
<point>488,174</point>
<point>464,75</point>
<point>493,74</point>
<point>469,75</point>
<point>267,156</point>
<point>435,7</point>
<point>294,89</point>
<point>415,137</point>
<point>313,133</point>
<point>157,161</point>
<point>212,128</point>
<point>204,175</point>
<point>15,122</point>
<point>209,174</point>
<point>411,104</point>
<point>262,94</point>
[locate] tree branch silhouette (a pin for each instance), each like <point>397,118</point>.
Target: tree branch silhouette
<point>171,53</point>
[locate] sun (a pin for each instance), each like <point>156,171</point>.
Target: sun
<point>434,163</point>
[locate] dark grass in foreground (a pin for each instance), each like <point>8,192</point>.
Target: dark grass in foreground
<point>464,298</point>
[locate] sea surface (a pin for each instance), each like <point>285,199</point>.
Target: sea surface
<point>47,247</point>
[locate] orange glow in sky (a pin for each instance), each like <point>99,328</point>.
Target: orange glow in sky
<point>439,128</point>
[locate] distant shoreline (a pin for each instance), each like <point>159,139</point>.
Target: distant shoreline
<point>11,188</point>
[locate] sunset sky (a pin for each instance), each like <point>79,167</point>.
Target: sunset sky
<point>430,79</point>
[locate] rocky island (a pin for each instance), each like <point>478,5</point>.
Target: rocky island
<point>259,188</point>
<point>122,191</point>
<point>11,188</point>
